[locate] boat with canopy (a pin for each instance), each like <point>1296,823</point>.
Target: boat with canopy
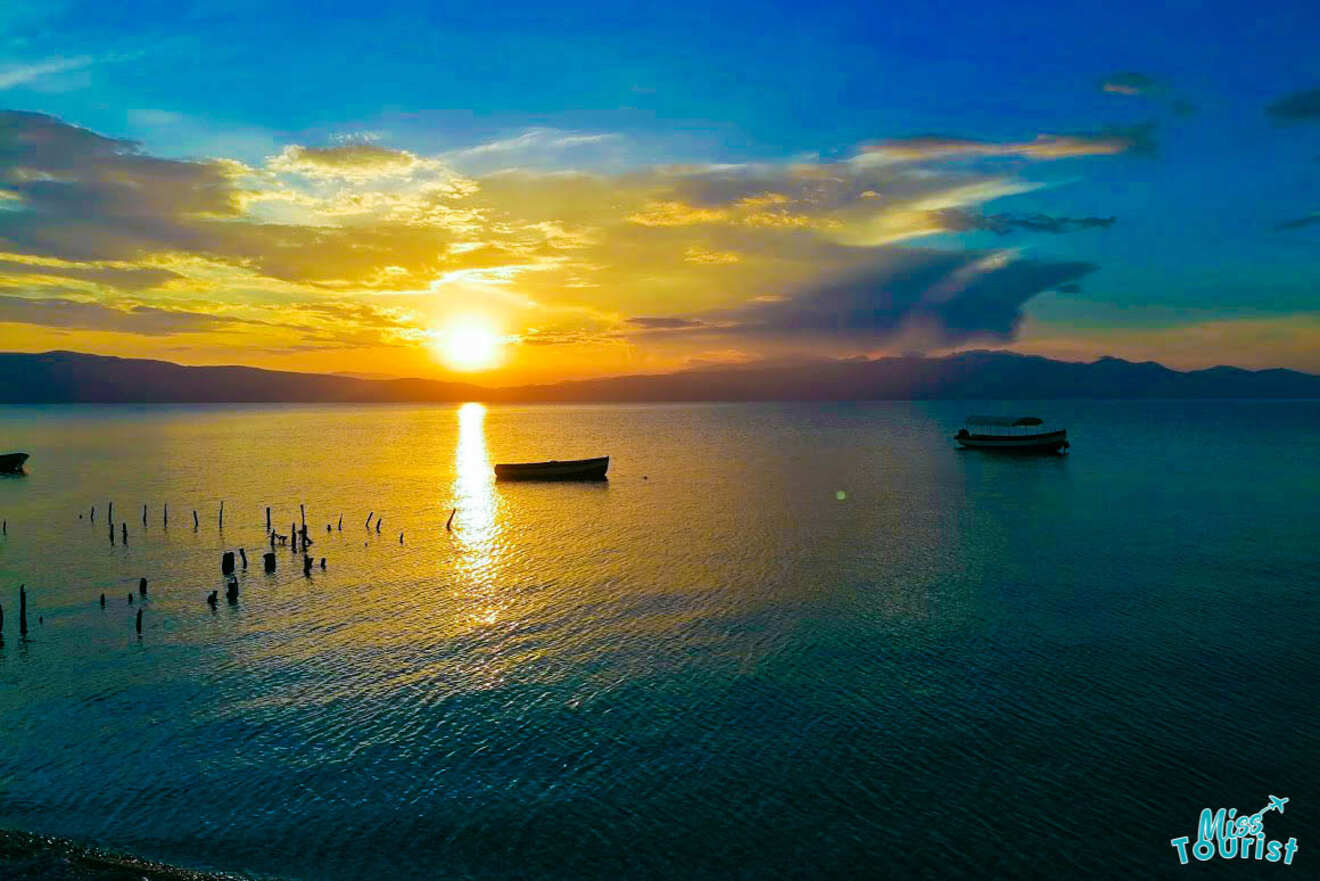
<point>1011,434</point>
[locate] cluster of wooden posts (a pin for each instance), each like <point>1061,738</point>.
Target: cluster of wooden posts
<point>297,540</point>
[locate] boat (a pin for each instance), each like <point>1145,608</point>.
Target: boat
<point>575,469</point>
<point>12,463</point>
<point>1011,434</point>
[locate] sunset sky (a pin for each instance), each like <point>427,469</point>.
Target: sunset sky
<point>534,191</point>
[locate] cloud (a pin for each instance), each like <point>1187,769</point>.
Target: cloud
<point>348,161</point>
<point>1298,222</point>
<point>648,322</point>
<point>133,318</point>
<point>1128,83</point>
<point>23,74</point>
<point>1300,106</point>
<point>1106,142</point>
<point>1002,224</point>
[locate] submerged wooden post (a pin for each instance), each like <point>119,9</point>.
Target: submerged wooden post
<point>212,599</point>
<point>307,565</point>
<point>22,610</point>
<point>269,560</point>
<point>142,587</point>
<point>112,532</point>
<point>243,556</point>
<point>227,563</point>
<point>231,590</point>
<point>139,622</point>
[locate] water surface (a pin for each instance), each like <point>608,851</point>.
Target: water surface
<point>784,640</point>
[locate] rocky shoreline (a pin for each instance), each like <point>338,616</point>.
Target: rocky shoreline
<point>28,857</point>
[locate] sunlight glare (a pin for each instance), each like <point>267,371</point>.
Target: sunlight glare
<point>468,344</point>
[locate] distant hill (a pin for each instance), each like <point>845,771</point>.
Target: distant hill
<point>70,377</point>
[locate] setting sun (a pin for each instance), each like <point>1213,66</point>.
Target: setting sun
<point>468,344</point>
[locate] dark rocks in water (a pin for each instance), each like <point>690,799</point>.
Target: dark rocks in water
<point>227,563</point>
<point>269,561</point>
<point>27,857</point>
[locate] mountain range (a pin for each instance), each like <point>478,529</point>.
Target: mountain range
<point>72,377</point>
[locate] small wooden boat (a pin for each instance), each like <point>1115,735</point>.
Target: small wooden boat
<point>1011,434</point>
<point>577,469</point>
<point>12,463</point>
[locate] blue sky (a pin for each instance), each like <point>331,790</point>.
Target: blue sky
<point>1211,202</point>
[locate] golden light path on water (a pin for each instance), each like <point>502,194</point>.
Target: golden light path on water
<point>474,495</point>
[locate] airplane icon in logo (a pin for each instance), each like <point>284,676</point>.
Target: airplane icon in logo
<point>1276,804</point>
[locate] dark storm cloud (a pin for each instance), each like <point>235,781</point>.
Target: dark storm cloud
<point>951,297</point>
<point>1297,107</point>
<point>1298,222</point>
<point>81,315</point>
<point>959,220</point>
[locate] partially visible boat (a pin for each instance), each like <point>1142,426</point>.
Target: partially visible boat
<point>1011,434</point>
<point>12,463</point>
<point>575,469</point>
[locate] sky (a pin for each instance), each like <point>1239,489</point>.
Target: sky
<point>527,192</point>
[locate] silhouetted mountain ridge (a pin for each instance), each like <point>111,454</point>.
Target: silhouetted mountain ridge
<point>71,377</point>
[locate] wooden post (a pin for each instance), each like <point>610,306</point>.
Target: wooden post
<point>302,514</point>
<point>400,538</point>
<point>269,560</point>
<point>272,539</point>
<point>110,514</point>
<point>340,528</point>
<point>369,516</point>
<point>2,622</point>
<point>102,601</point>
<point>227,563</point>
<point>307,565</point>
<point>222,513</point>
<point>293,536</point>
<point>195,524</point>
<point>139,622</point>
<point>93,513</point>
<point>449,524</point>
<point>123,533</point>
<point>142,587</point>
<point>165,518</point>
<point>379,520</point>
<point>212,600</point>
<point>144,515</point>
<point>268,518</point>
<point>323,564</point>
<point>22,610</point>
<point>243,556</point>
<point>112,532</point>
<point>231,590</point>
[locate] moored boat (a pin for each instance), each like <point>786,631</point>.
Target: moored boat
<point>576,469</point>
<point>1011,434</point>
<point>11,463</point>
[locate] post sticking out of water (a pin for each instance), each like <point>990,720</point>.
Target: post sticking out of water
<point>212,600</point>
<point>123,532</point>
<point>302,514</point>
<point>222,513</point>
<point>400,538</point>
<point>2,622</point>
<point>195,524</point>
<point>227,563</point>
<point>269,560</point>
<point>369,516</point>
<point>231,590</point>
<point>102,601</point>
<point>112,532</point>
<point>307,565</point>
<point>379,520</point>
<point>449,524</point>
<point>93,513</point>
<point>293,536</point>
<point>340,528</point>
<point>110,513</point>
<point>22,610</point>
<point>165,517</point>
<point>323,564</point>
<point>142,587</point>
<point>139,622</point>
<point>268,518</point>
<point>144,515</point>
<point>242,554</point>
<point>272,539</point>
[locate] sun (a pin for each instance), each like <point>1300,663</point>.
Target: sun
<point>469,344</point>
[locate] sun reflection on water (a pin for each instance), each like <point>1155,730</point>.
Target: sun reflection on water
<point>475,525</point>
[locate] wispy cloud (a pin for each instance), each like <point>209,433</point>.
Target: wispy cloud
<point>23,74</point>
<point>1301,106</point>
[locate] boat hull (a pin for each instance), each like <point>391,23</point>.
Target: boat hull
<point>577,469</point>
<point>1024,444</point>
<point>11,463</point>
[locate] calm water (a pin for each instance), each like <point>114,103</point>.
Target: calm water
<point>783,641</point>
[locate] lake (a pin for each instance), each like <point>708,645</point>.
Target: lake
<point>783,641</point>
